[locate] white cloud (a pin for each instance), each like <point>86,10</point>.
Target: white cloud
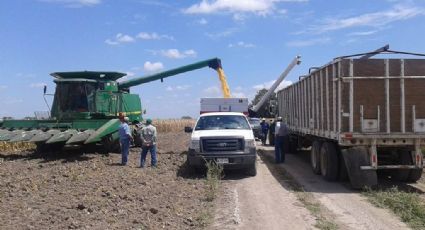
<point>176,54</point>
<point>221,34</point>
<point>37,85</point>
<point>11,101</point>
<point>178,88</point>
<point>182,87</point>
<point>239,17</point>
<point>259,7</point>
<point>202,21</point>
<point>153,66</point>
<point>3,87</point>
<point>311,42</point>
<point>120,38</point>
<point>213,91</point>
<point>363,33</point>
<point>267,85</point>
<point>153,36</point>
<point>241,44</point>
<point>377,19</point>
<point>75,3</point>
<point>130,74</point>
<point>239,94</point>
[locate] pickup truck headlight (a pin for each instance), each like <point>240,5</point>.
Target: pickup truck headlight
<point>249,144</point>
<point>194,144</point>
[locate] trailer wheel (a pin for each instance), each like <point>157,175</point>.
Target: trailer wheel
<point>293,145</point>
<point>354,158</point>
<point>329,161</point>
<point>315,157</point>
<point>413,175</point>
<point>343,172</point>
<point>402,175</point>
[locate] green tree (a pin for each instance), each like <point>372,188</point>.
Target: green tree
<point>264,111</point>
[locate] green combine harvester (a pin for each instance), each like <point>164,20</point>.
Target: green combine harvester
<point>85,109</point>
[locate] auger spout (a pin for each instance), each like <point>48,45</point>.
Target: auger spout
<point>214,63</point>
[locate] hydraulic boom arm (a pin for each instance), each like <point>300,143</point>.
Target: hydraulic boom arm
<point>295,61</point>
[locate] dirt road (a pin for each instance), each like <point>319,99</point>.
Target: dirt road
<point>265,202</point>
<point>260,202</point>
<point>349,207</point>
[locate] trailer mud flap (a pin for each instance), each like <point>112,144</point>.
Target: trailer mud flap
<point>354,158</point>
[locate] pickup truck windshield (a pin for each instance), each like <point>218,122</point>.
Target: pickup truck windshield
<point>222,122</point>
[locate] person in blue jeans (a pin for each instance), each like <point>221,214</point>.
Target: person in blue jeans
<point>278,140</point>
<point>283,137</point>
<point>125,138</point>
<point>148,136</point>
<point>265,130</point>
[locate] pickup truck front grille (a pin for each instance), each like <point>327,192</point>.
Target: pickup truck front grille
<point>222,145</point>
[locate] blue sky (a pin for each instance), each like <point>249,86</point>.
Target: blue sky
<point>255,39</point>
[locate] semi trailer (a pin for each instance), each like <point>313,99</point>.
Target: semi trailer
<point>360,116</point>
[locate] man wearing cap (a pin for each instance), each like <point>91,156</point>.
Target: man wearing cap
<point>125,138</point>
<point>264,129</point>
<point>148,136</point>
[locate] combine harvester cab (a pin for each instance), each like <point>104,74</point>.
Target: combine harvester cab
<point>85,109</point>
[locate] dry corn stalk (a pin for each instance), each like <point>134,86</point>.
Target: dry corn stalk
<point>15,146</point>
<point>173,125</point>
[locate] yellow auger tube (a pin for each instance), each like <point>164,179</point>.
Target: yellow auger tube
<point>224,85</point>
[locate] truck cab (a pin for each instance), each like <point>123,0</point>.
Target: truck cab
<point>225,138</point>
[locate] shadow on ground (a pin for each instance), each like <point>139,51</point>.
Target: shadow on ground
<point>45,157</point>
<point>189,172</point>
<point>319,183</point>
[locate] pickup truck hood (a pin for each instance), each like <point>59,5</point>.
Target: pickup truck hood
<point>246,133</point>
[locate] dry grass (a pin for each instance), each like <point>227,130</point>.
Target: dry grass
<point>15,146</point>
<point>173,125</point>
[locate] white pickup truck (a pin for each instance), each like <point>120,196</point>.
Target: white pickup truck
<point>223,137</point>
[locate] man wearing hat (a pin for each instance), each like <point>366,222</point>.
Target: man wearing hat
<point>125,138</point>
<point>148,136</point>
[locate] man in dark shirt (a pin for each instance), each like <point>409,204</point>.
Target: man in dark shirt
<point>264,130</point>
<point>283,136</point>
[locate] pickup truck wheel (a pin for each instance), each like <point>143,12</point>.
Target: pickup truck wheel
<point>329,161</point>
<point>252,170</point>
<point>315,157</point>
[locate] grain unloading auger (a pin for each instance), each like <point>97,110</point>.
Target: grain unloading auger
<point>86,106</point>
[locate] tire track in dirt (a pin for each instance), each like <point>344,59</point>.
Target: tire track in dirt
<point>349,207</point>
<point>260,202</point>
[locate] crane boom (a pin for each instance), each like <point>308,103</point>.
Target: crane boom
<point>295,61</point>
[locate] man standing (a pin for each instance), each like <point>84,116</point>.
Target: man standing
<point>264,129</point>
<point>278,142</point>
<point>148,136</point>
<point>283,136</point>
<point>125,138</point>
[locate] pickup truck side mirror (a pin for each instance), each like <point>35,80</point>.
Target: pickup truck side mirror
<point>188,129</point>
